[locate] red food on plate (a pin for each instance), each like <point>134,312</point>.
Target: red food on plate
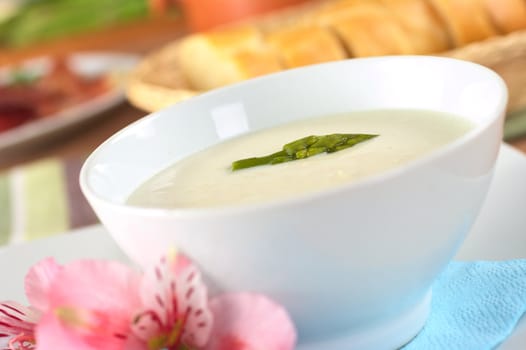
<point>15,115</point>
<point>17,106</point>
<point>27,98</point>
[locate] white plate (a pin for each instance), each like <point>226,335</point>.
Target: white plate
<point>87,64</point>
<point>499,234</point>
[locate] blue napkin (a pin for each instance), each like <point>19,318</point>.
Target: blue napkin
<point>475,306</point>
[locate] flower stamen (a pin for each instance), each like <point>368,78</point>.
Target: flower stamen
<point>22,342</point>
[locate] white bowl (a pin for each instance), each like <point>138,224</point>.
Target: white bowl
<point>355,262</point>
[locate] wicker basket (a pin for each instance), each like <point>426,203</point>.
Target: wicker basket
<point>158,82</point>
<point>507,56</point>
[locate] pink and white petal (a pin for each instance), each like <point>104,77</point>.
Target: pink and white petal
<point>38,281</point>
<point>9,332</point>
<point>168,290</point>
<point>16,318</point>
<point>147,325</point>
<point>248,321</point>
<point>157,291</point>
<point>179,263</point>
<point>4,341</point>
<point>192,296</point>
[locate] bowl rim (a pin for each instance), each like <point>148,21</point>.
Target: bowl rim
<point>368,181</point>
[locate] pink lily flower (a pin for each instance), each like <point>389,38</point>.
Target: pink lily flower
<point>102,305</point>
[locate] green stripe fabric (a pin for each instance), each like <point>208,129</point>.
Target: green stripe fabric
<point>515,126</point>
<point>5,209</point>
<point>44,198</point>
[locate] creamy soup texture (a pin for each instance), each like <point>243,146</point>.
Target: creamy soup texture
<point>205,179</point>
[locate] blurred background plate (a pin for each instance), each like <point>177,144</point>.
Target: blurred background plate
<point>114,65</point>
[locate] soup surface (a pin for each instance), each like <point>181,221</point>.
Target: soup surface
<point>205,179</point>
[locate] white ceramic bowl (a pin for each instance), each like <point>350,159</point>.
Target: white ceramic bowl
<point>355,262</point>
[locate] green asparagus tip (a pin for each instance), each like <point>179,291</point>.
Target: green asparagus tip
<point>304,148</point>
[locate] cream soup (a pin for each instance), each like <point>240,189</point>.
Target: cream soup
<point>205,179</point>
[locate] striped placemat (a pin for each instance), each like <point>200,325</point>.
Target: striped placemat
<point>515,126</point>
<point>42,199</point>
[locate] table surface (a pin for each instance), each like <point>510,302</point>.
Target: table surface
<point>140,38</point>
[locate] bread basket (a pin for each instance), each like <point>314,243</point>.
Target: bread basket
<point>159,81</point>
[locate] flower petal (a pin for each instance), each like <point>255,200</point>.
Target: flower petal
<point>193,300</point>
<point>93,302</point>
<point>16,319</point>
<point>96,285</point>
<point>134,343</point>
<point>158,293</point>
<point>173,293</point>
<point>52,335</point>
<point>38,281</point>
<point>247,321</point>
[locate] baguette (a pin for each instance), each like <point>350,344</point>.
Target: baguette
<point>508,15</point>
<point>370,30</point>
<point>304,45</point>
<point>215,59</point>
<point>425,30</point>
<point>337,9</point>
<point>466,20</point>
